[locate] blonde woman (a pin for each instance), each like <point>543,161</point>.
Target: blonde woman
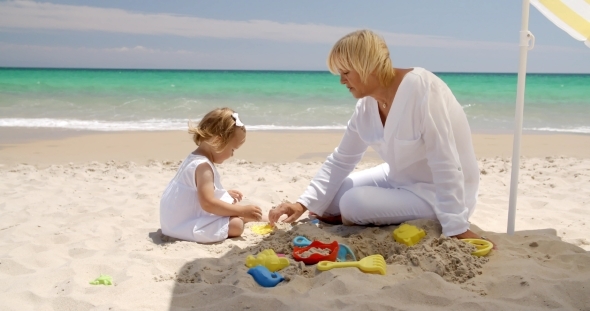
<point>412,120</point>
<point>195,206</point>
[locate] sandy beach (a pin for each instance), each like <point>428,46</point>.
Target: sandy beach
<point>75,205</point>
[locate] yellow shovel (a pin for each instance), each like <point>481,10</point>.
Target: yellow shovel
<point>371,264</point>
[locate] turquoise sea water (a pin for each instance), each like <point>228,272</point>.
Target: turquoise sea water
<point>117,100</point>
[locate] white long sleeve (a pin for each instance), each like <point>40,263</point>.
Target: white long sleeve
<point>335,169</point>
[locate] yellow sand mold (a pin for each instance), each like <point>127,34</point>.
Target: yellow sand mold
<point>408,234</point>
<point>483,246</point>
<point>269,259</point>
<point>262,229</point>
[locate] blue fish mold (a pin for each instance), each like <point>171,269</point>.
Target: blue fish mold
<point>264,277</point>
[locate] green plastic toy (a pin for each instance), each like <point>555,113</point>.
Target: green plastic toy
<point>103,279</point>
<point>269,259</point>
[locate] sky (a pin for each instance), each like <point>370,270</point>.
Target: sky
<point>441,36</point>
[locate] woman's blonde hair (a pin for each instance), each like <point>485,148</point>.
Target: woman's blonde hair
<point>216,128</point>
<point>365,52</point>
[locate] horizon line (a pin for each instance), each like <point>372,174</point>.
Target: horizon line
<point>264,70</point>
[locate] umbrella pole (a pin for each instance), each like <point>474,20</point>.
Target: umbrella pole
<point>525,36</point>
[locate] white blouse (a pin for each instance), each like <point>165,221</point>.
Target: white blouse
<point>426,141</point>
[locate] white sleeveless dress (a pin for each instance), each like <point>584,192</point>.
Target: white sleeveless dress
<point>181,215</point>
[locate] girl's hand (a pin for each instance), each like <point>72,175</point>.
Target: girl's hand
<point>251,213</point>
<point>236,195</point>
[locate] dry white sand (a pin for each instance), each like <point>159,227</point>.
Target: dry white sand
<point>62,225</point>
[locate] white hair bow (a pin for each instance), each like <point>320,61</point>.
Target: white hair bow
<point>237,119</point>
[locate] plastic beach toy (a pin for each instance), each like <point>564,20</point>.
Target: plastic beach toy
<point>483,246</point>
<point>264,277</point>
<point>262,229</point>
<point>408,234</point>
<point>370,264</point>
<point>268,259</point>
<point>103,279</point>
<point>301,241</point>
<point>312,259</point>
<point>343,253</point>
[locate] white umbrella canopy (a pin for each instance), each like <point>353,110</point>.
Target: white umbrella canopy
<point>573,16</point>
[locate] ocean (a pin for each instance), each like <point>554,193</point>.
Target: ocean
<point>153,100</point>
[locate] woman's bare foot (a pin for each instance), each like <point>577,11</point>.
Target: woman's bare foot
<point>332,220</point>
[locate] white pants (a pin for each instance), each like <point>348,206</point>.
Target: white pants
<point>366,197</point>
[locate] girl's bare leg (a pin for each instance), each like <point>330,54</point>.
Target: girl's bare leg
<point>236,227</point>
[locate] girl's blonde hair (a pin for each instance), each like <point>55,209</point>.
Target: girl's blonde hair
<point>216,128</point>
<point>365,52</point>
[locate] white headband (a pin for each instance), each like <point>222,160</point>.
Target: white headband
<point>237,119</point>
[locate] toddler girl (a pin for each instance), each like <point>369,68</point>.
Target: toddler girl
<point>194,206</point>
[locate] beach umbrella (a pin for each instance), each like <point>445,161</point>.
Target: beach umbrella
<point>573,16</point>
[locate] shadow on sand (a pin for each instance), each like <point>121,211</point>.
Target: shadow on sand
<point>223,283</point>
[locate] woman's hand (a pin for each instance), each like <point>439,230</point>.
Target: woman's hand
<point>472,235</point>
<point>292,210</point>
<point>236,195</point>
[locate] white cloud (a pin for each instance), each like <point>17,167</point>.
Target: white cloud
<point>135,50</point>
<point>29,55</point>
<point>48,16</point>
